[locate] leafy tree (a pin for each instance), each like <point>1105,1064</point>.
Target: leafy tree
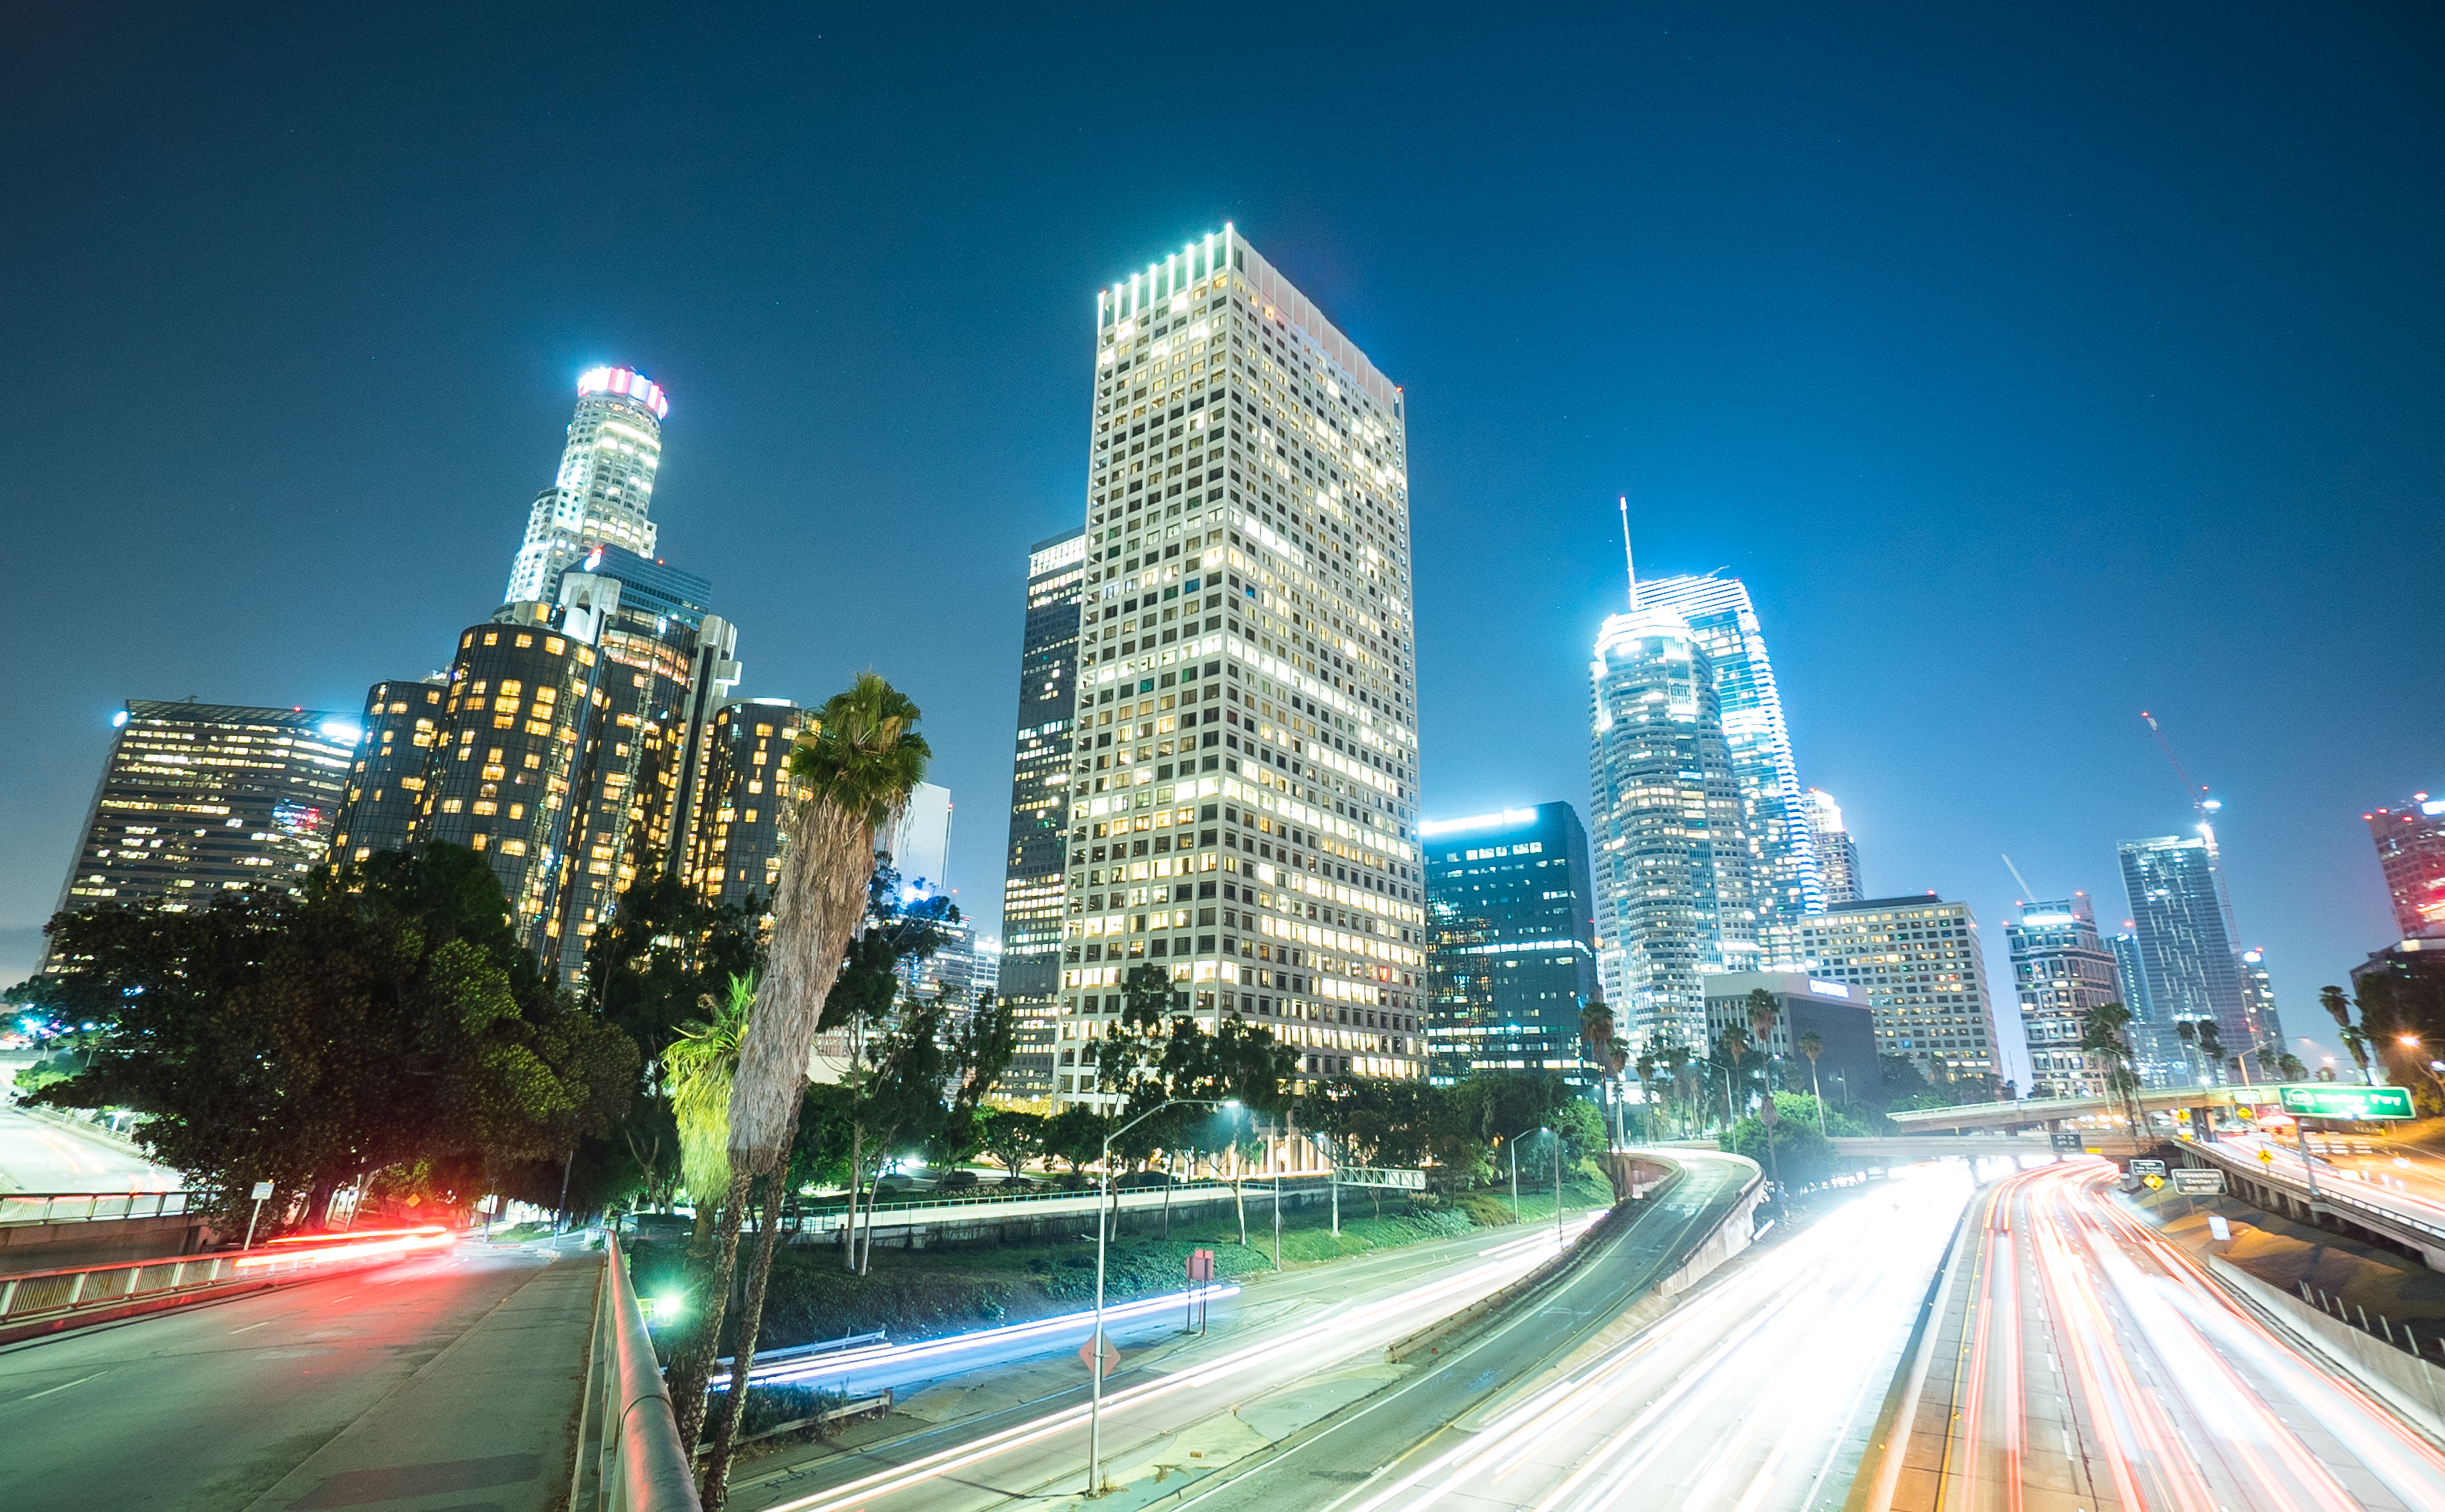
<point>1074,1136</point>
<point>1014,1138</point>
<point>1804,1157</point>
<point>2103,1032</point>
<point>386,1025</point>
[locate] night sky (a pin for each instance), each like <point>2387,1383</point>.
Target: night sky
<point>2031,370</point>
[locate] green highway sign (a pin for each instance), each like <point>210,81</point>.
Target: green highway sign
<point>2334,1100</point>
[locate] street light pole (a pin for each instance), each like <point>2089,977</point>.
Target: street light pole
<point>1103,1228</point>
<point>1558,1187</point>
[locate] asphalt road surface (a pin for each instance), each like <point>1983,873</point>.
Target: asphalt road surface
<point>304,1397</point>
<point>39,1156</point>
<point>2101,1371</point>
<point>1288,1407</point>
<point>1757,1393</point>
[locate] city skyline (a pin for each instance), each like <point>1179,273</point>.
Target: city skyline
<point>1886,539</point>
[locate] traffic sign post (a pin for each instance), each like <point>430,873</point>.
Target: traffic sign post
<point>1201,1273</point>
<point>2193,1181</point>
<point>2350,1104</point>
<point>262,1190</point>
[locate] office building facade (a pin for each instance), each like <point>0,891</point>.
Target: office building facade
<point>387,779</point>
<point>1036,865</point>
<point>2061,970</point>
<point>1783,869</point>
<point>1511,925</point>
<point>1243,776</point>
<point>1673,865</point>
<point>1917,962</point>
<point>199,800</point>
<point>1836,852</point>
<point>2410,842</point>
<point>604,487</point>
<point>1845,1068</point>
<point>2187,957</point>
<point>734,857</point>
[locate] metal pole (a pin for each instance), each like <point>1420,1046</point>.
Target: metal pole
<point>1558,1188</point>
<point>250,1223</point>
<point>1277,1209</point>
<point>1515,1181</point>
<point>2299,1132</point>
<point>1332,1174</point>
<point>1095,1400</point>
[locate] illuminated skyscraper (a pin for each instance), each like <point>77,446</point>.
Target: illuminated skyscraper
<point>386,783</point>
<point>1243,776</point>
<point>1511,909</point>
<point>1785,879</point>
<point>605,485</point>
<point>1838,854</point>
<point>1037,865</point>
<point>1918,964</point>
<point>1674,870</point>
<point>2186,953</point>
<point>2061,970</point>
<point>2411,851</point>
<point>196,800</point>
<point>734,856</point>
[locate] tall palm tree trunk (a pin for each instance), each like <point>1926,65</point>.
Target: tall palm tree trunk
<point>726,1432</point>
<point>690,1371</point>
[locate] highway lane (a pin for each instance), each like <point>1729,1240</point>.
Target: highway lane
<point>212,1406</point>
<point>1194,1409</point>
<point>39,1156</point>
<point>1756,1392</point>
<point>2103,1371</point>
<point>2404,1179</point>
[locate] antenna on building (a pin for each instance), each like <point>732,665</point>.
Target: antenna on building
<point>2027,892</point>
<point>2205,807</point>
<point>1629,563</point>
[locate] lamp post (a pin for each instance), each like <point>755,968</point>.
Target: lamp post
<point>1103,1228</point>
<point>1513,1144</point>
<point>1558,1187</point>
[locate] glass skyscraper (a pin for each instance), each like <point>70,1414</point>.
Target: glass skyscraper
<point>1035,866</point>
<point>1243,775</point>
<point>2411,851</point>
<point>1674,870</point>
<point>2186,953</point>
<point>1511,911</point>
<point>1838,854</point>
<point>1774,815</point>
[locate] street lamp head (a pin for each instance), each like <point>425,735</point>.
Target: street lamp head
<point>1230,1102</point>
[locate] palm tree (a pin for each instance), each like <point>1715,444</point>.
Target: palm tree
<point>1596,1027</point>
<point>2340,1009</point>
<point>2100,1034</point>
<point>1735,1051</point>
<point>1763,1011</point>
<point>1677,1062</point>
<point>699,1067</point>
<point>851,771</point>
<point>1811,1044</point>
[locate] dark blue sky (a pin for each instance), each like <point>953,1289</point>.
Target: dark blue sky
<point>2032,371</point>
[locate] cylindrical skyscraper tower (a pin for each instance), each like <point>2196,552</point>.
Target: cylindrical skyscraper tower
<point>606,482</point>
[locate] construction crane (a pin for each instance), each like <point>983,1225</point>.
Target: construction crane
<point>2205,807</point>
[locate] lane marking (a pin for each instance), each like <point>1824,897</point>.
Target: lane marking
<point>251,1327</point>
<point>78,1381</point>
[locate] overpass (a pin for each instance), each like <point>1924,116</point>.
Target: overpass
<point>48,1230</point>
<point>2053,1112</point>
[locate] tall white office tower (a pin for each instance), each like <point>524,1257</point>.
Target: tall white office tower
<point>1673,864</point>
<point>1773,812</point>
<point>1838,854</point>
<point>1243,776</point>
<point>605,486</point>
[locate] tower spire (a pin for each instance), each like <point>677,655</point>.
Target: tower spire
<point>1629,561</point>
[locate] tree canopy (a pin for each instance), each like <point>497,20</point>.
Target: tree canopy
<point>388,1023</point>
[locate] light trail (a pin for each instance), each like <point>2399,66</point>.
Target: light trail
<point>362,1248</point>
<point>2181,1397</point>
<point>1742,1397</point>
<point>1339,1332</point>
<point>926,1352</point>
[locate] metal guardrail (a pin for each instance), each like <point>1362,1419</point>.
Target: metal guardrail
<point>86,1207</point>
<point>640,1465</point>
<point>2332,1192</point>
<point>41,1301</point>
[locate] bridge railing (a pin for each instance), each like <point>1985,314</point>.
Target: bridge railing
<point>82,1207</point>
<point>638,1463</point>
<point>42,1301</point>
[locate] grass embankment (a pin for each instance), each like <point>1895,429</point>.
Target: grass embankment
<point>925,1293</point>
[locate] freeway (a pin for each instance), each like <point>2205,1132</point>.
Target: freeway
<point>1289,1403</point>
<point>39,1156</point>
<point>376,1387</point>
<point>2098,1368</point>
<point>2405,1179</point>
<point>1758,1392</point>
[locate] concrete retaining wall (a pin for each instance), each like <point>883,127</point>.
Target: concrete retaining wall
<point>2414,1388</point>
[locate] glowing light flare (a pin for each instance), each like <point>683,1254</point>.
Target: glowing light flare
<point>353,1247</point>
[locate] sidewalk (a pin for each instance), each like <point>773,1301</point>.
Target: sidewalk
<point>488,1424</point>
